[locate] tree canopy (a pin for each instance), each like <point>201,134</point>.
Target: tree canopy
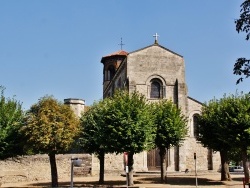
<point>171,128</point>
<point>242,65</point>
<point>121,123</point>
<point>171,124</point>
<point>225,126</point>
<point>131,125</point>
<point>11,116</point>
<point>94,136</point>
<point>50,127</point>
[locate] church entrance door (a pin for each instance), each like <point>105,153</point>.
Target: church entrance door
<point>153,160</point>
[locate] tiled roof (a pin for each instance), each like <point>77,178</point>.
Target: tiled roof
<point>120,52</point>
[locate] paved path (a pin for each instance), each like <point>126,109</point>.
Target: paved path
<point>209,180</point>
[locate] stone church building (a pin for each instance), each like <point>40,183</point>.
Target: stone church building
<point>154,71</point>
<point>158,73</point>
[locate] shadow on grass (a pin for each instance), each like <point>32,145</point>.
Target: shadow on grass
<point>143,180</point>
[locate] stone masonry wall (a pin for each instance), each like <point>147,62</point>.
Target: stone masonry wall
<point>188,149</point>
<point>114,163</point>
<point>37,167</point>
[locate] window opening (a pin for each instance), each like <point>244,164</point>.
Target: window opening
<point>111,73</point>
<point>156,89</point>
<point>196,126</point>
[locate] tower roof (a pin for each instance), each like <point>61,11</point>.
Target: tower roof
<point>121,53</point>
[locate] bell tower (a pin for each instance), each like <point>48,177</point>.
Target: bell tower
<point>110,65</point>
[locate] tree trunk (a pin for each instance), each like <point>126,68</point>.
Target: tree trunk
<point>225,175</point>
<point>101,157</point>
<point>54,176</point>
<point>245,165</point>
<point>130,168</point>
<point>163,165</point>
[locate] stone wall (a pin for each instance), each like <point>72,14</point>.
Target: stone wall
<point>205,160</point>
<point>37,167</point>
<point>114,164</point>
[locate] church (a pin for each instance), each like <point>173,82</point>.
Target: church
<point>159,73</point>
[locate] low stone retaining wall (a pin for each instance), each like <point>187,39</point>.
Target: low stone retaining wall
<point>37,167</point>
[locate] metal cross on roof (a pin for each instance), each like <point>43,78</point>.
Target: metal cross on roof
<point>121,44</point>
<point>156,37</point>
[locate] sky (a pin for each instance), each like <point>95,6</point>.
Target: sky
<point>54,47</point>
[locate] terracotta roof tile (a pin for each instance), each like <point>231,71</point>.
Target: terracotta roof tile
<point>120,52</point>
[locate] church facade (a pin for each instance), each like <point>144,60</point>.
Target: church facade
<point>159,73</point>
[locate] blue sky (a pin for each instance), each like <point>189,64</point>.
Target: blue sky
<point>54,47</point>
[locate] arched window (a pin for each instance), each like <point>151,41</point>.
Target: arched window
<point>111,72</point>
<point>156,89</point>
<point>196,125</point>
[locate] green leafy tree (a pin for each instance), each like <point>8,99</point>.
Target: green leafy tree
<point>122,123</point>
<point>214,132</point>
<point>239,117</point>
<point>50,127</point>
<point>11,116</point>
<point>235,156</point>
<point>93,135</point>
<point>171,128</point>
<point>242,65</point>
<point>130,126</point>
<point>224,127</point>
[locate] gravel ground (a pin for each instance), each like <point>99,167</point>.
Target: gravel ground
<point>181,179</point>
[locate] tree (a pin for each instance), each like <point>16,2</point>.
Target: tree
<point>213,132</point>
<point>224,127</point>
<point>122,123</point>
<point>130,126</point>
<point>50,127</point>
<point>240,122</point>
<point>242,65</point>
<point>171,128</point>
<point>93,135</point>
<point>235,156</point>
<point>11,116</point>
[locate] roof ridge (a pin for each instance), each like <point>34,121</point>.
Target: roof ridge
<point>120,52</point>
